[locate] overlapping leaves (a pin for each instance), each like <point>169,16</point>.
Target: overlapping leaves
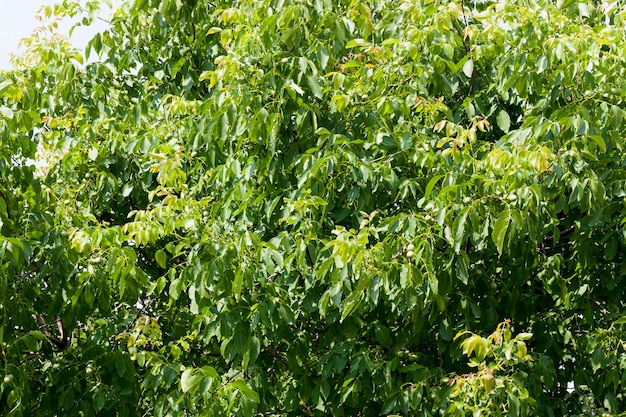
<point>291,208</point>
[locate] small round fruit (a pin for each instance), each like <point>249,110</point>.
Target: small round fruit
<point>511,197</point>
<point>410,247</point>
<point>410,254</point>
<point>8,379</point>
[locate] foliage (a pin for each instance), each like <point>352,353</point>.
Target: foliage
<point>288,207</point>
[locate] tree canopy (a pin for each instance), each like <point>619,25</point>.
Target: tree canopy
<point>316,208</point>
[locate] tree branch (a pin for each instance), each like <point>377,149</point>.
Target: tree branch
<point>565,232</point>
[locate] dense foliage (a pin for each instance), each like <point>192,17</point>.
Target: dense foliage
<point>317,208</point>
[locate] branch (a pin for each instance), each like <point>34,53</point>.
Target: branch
<point>278,356</point>
<point>466,45</point>
<point>565,232</point>
<point>545,249</point>
<point>43,326</point>
<point>62,334</point>
<point>603,309</point>
<point>62,342</point>
<point>229,380</point>
<point>543,246</point>
<point>464,14</point>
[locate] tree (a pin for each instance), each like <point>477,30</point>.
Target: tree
<point>293,208</point>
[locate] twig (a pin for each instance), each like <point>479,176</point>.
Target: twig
<point>464,14</point>
<point>278,356</point>
<point>602,308</point>
<point>229,380</point>
<point>62,334</point>
<point>545,249</point>
<point>565,232</point>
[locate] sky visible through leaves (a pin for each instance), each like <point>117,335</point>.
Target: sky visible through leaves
<point>18,20</point>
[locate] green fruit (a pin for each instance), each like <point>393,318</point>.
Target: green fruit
<point>8,379</point>
<point>488,382</point>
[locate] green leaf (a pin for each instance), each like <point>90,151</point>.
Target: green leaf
<point>468,68</point>
<point>383,335</point>
<point>459,229</point>
<point>340,101</point>
<point>504,121</point>
<point>38,335</point>
<point>597,360</point>
<point>138,4</point>
<point>238,284</point>
<point>176,287</point>
<point>583,10</point>
<point>582,128</point>
<point>93,153</point>
<point>524,336</point>
<point>161,258</point>
<point>315,87</point>
<point>500,228</point>
<point>294,87</point>
<point>245,390</point>
<point>462,272</point>
<point>4,85</point>
<point>127,189</point>
<point>6,112</point>
<point>431,185</point>
<point>355,42</point>
<point>541,63</point>
<point>188,381</point>
<point>210,372</point>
